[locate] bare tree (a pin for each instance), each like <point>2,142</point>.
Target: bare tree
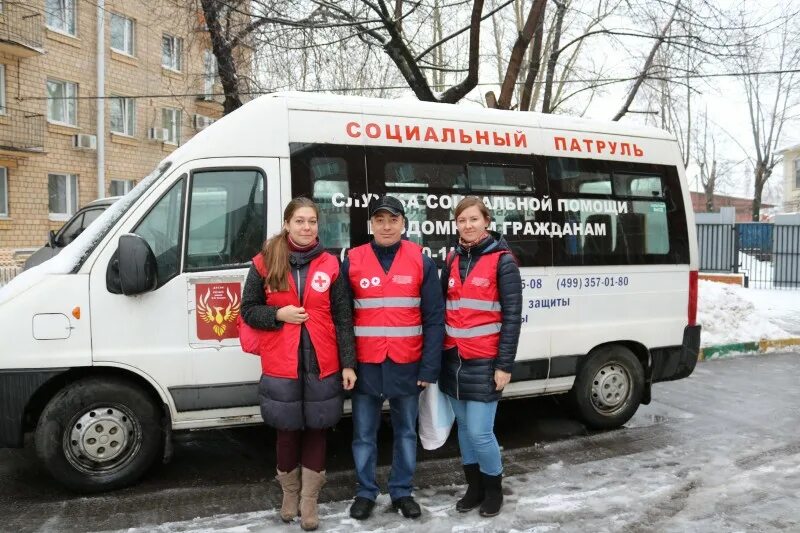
<point>229,24</point>
<point>648,63</point>
<point>770,97</point>
<point>714,170</point>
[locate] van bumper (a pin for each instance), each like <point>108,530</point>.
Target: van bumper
<point>17,387</point>
<point>676,362</point>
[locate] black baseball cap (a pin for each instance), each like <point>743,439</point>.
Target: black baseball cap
<point>386,203</point>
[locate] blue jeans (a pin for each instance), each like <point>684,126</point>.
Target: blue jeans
<point>476,435</point>
<point>366,421</point>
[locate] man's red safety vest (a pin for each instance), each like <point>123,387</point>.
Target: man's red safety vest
<point>278,348</point>
<point>387,315</point>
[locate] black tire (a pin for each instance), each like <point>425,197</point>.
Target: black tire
<point>608,388</point>
<point>99,434</point>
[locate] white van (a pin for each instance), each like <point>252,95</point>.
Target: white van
<point>130,333</point>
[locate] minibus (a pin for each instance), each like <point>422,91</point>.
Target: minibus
<point>131,332</point>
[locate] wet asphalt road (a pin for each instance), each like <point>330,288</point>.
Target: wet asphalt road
<point>230,471</point>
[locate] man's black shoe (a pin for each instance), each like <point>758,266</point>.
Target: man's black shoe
<point>407,506</point>
<point>361,508</point>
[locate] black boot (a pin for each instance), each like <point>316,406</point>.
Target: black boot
<point>474,495</point>
<point>493,499</point>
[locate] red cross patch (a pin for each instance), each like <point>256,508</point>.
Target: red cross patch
<point>320,281</point>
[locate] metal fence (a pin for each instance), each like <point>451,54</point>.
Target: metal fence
<point>768,255</point>
<point>25,131</point>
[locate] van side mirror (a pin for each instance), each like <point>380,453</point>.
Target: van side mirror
<point>133,268</point>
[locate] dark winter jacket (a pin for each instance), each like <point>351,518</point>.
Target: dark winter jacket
<point>307,401</point>
<point>390,379</point>
<point>473,379</point>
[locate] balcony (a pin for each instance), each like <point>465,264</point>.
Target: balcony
<point>21,30</point>
<point>21,133</point>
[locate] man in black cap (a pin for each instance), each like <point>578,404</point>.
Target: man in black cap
<point>398,318</point>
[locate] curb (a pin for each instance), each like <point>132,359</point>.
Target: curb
<point>727,350</point>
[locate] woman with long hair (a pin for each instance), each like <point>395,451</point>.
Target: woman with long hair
<point>483,292</point>
<point>297,316</point>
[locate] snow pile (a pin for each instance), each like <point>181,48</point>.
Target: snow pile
<point>71,256</point>
<point>729,316</point>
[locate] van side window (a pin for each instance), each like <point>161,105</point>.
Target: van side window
<point>161,228</point>
<point>341,180</point>
<point>617,213</point>
<point>330,181</point>
<point>428,183</point>
<point>333,176</point>
<point>497,178</point>
<point>226,218</point>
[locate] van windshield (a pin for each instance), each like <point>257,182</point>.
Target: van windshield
<point>88,240</point>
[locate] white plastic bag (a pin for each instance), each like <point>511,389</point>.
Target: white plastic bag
<point>435,417</point>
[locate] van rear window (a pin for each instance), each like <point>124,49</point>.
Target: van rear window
<point>640,207</point>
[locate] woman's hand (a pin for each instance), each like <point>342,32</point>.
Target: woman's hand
<point>501,379</point>
<point>349,378</point>
<point>292,314</point>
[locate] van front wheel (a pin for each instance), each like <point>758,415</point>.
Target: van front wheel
<point>608,388</point>
<point>99,434</point>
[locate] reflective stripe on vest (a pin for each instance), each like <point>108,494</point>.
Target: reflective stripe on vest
<point>470,303</point>
<point>477,331</point>
<point>387,331</point>
<point>374,303</point>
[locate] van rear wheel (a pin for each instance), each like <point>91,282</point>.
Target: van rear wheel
<point>608,388</point>
<point>99,434</point>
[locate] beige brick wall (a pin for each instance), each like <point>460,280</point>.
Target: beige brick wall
<point>74,59</point>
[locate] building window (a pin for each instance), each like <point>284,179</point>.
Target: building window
<point>171,121</point>
<point>60,15</point>
<point>2,86</point>
<point>62,104</point>
<point>3,192</point>
<point>63,195</point>
<point>122,34</point>
<point>171,52</point>
<point>120,187</point>
<point>123,116</point>
<point>209,73</point>
<point>797,173</point>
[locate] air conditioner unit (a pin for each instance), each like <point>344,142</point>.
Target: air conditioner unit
<point>202,122</point>
<point>84,141</point>
<point>206,98</point>
<point>157,134</point>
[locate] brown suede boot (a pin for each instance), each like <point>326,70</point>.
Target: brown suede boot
<point>290,483</point>
<point>309,494</point>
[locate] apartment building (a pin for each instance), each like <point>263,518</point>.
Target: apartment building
<point>791,178</point>
<point>86,113</point>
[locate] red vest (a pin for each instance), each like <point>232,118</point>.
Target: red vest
<point>278,348</point>
<point>386,307</point>
<point>473,314</point>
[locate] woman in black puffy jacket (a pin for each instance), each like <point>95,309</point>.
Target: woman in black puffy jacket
<point>297,316</point>
<point>483,292</point>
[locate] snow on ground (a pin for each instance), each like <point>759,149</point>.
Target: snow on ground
<point>713,485</point>
<point>730,314</point>
<point>781,307</point>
